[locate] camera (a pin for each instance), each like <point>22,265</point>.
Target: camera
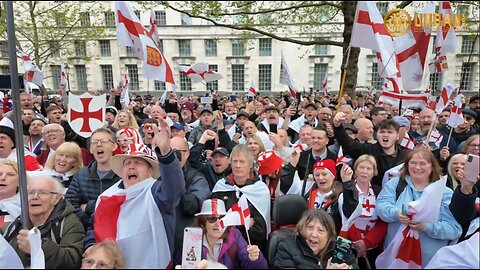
<point>238,129</point>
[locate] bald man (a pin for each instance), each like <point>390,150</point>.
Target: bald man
<point>250,129</point>
<point>365,130</point>
<point>196,191</point>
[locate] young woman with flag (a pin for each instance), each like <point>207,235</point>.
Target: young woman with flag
<point>226,247</point>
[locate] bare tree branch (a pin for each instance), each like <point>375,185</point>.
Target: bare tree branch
<point>280,9</point>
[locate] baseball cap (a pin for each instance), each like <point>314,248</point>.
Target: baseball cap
<point>401,121</point>
<point>221,150</point>
<point>177,125</point>
<point>206,109</point>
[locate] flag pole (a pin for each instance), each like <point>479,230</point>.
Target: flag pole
<point>17,120</point>
<point>449,136</point>
<point>344,77</point>
<point>434,123</point>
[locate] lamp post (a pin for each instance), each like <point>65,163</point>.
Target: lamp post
<point>67,70</point>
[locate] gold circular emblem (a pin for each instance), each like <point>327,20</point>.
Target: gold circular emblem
<point>397,22</point>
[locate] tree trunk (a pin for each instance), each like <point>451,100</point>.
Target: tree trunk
<point>349,9</point>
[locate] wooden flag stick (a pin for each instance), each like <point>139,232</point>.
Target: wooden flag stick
<point>344,77</point>
<point>434,123</point>
<point>449,136</point>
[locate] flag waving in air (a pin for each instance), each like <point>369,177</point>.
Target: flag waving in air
<point>286,78</point>
<point>131,33</point>
<point>239,214</point>
<point>325,84</point>
<point>456,116</point>
<point>251,89</point>
<point>32,73</point>
<point>200,72</point>
<point>444,97</point>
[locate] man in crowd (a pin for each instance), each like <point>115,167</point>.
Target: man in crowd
<point>229,111</point>
<point>90,181</point>
<point>272,118</point>
<point>206,122</point>
<point>364,130</point>
<point>34,142</point>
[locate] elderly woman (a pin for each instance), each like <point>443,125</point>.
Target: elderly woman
<point>9,197</point>
<point>454,167</point>
<point>61,231</point>
<point>472,145</point>
<point>367,231</point>
<point>65,162</point>
<point>420,170</point>
<point>104,255</point>
<point>125,119</point>
<point>226,247</point>
<point>125,137</point>
<point>313,245</point>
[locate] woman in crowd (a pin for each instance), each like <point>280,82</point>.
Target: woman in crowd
<point>313,245</point>
<point>125,119</point>
<point>420,170</point>
<point>9,196</point>
<point>367,231</point>
<point>256,145</point>
<point>472,145</point>
<point>125,137</point>
<point>65,162</point>
<point>455,165</point>
<point>233,250</point>
<point>104,255</point>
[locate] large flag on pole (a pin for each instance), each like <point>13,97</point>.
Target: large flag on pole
<point>251,89</point>
<point>131,33</point>
<point>369,32</point>
<point>446,41</point>
<point>456,116</point>
<point>286,78</point>
<point>32,73</point>
<point>200,72</point>
<point>408,100</point>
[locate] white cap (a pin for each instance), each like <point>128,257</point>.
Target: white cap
<point>212,207</point>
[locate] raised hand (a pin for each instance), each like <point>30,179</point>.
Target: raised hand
<point>162,136</point>
<point>346,173</point>
<point>207,135</point>
<point>340,118</point>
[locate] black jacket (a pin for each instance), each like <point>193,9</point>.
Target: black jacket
<point>307,160</point>
<point>355,149</point>
<point>206,168</point>
<point>295,253</point>
<point>463,208</point>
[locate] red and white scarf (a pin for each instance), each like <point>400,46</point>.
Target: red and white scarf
<point>132,218</point>
<point>13,207</point>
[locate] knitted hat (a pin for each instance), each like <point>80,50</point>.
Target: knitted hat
<point>269,162</point>
<point>6,127</point>
<point>136,150</point>
<point>326,164</point>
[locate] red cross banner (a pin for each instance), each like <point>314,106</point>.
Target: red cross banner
<point>86,113</point>
<point>239,214</point>
<point>200,72</point>
<point>456,117</point>
<point>286,78</point>
<point>445,97</point>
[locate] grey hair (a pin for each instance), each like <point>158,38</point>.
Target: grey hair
<point>449,168</point>
<point>58,187</point>
<point>53,125</point>
<point>242,148</point>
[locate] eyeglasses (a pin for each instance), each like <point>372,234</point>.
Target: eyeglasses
<point>87,262</point>
<point>53,131</point>
<point>125,140</point>
<point>468,118</point>
<point>212,219</point>
<point>102,142</point>
<point>42,193</point>
<point>474,145</point>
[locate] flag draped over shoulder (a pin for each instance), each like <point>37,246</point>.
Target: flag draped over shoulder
<point>131,33</point>
<point>286,78</point>
<point>405,250</point>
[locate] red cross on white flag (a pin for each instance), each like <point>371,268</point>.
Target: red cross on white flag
<point>325,84</point>
<point>251,89</point>
<point>200,72</point>
<point>341,158</point>
<point>456,116</point>
<point>239,214</point>
<point>298,148</point>
<point>444,97</point>
<point>286,78</point>
<point>32,73</point>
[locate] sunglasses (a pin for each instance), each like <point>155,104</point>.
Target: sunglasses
<point>212,219</point>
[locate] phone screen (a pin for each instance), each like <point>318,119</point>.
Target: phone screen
<point>273,128</point>
<point>192,247</point>
<point>343,247</point>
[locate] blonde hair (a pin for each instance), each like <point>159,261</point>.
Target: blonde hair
<point>367,158</point>
<point>449,168</point>
<point>71,149</point>
<point>132,122</point>
<point>11,163</point>
<point>259,141</point>
<point>112,251</point>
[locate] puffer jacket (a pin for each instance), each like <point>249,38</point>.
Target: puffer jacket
<point>62,223</point>
<point>295,253</point>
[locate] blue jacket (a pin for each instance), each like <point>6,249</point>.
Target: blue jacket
<point>435,235</point>
<point>167,192</point>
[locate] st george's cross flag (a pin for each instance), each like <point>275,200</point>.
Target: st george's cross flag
<point>445,96</point>
<point>325,84</point>
<point>456,116</point>
<point>251,90</point>
<point>286,78</point>
<point>32,73</point>
<point>131,33</point>
<point>238,214</point>
<point>200,72</point>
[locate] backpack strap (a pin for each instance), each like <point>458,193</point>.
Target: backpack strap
<point>57,231</point>
<point>402,183</point>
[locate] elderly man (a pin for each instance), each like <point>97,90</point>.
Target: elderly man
<point>54,136</point>
<point>140,209</point>
<point>90,181</point>
<point>229,111</point>
<point>61,231</point>
<point>308,118</point>
<point>243,182</point>
<point>196,191</point>
<point>54,116</point>
<point>250,129</point>
<point>272,118</point>
<point>206,122</point>
<point>364,130</point>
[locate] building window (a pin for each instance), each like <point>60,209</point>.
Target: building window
<point>185,19</point>
<point>265,47</point>
<point>107,76</point>
<point>185,83</point>
<point>319,72</point>
<point>105,49</point>
<point>137,12</point>
<point>377,81</point>
<point>436,81</point>
<point>238,77</point>
<point>160,45</point>
<point>321,49</point>
<point>3,49</point>
<point>238,47</point>
<point>159,86</point>
<point>53,45</point>
<point>5,69</point>
<point>466,76</point>
<point>184,47</point>
<point>56,72</point>
<point>133,83</point>
<point>109,18</point>
<point>468,43</point>
<point>213,85</point>
<point>80,48</point>
<point>264,77</point>
<point>84,19</point>
<point>160,17</point>
<point>463,9</point>
<point>210,47</point>
<point>130,52</point>
<point>383,8</point>
<point>81,72</point>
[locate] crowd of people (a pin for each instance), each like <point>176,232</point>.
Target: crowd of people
<point>123,197</point>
